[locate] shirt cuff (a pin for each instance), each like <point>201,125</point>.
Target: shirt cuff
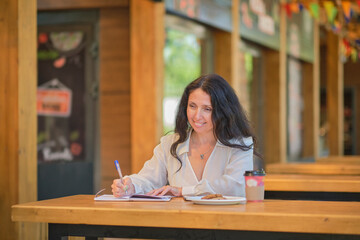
<point>189,190</point>
<point>138,189</point>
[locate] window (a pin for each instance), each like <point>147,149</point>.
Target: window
<point>186,57</point>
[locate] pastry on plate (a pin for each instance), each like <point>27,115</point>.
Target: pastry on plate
<point>213,196</point>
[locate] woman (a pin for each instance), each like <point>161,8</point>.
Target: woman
<point>209,152</point>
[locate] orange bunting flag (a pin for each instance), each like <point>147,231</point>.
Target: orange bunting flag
<point>314,10</point>
<point>331,11</point>
<point>347,8</point>
<point>295,8</point>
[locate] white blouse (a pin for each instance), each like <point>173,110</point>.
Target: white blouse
<point>223,172</point>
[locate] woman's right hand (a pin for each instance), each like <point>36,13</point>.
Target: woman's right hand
<point>121,188</point>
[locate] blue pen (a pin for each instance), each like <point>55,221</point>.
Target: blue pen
<point>117,165</point>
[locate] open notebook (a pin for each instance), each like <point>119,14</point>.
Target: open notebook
<point>135,197</point>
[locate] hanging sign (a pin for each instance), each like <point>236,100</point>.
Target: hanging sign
<point>54,99</point>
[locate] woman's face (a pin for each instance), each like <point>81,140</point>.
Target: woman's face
<point>199,111</point>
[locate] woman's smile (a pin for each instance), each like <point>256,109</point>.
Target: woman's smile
<point>199,111</point>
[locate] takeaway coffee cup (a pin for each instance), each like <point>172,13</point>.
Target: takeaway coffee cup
<point>254,185</point>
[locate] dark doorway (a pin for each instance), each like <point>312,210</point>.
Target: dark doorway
<point>67,103</point>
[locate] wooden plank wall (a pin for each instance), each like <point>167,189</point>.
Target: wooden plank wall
<point>147,41</point>
<point>114,92</point>
<point>18,160</point>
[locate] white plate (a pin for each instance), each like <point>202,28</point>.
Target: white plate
<point>227,201</point>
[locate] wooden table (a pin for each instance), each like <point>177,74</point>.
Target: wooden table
<point>80,215</point>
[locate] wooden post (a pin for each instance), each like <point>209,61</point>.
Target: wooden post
<point>226,51</point>
<point>311,86</point>
<point>271,73</point>
<point>222,51</point>
<point>316,90</point>
<point>335,95</point>
<point>18,128</point>
<point>146,53</point>
<point>282,86</point>
<point>274,72</point>
<point>235,38</point>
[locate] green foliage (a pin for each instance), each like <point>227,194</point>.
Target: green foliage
<point>182,56</point>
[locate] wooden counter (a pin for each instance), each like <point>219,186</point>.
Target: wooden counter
<point>311,217</point>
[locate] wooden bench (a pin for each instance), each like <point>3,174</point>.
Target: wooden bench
<point>339,159</point>
<point>314,168</point>
<point>312,187</point>
<point>312,183</point>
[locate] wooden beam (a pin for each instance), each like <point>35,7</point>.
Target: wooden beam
<point>334,95</point>
<point>146,53</point>
<point>79,4</point>
<point>18,128</point>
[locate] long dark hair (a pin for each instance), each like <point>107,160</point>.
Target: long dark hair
<point>228,116</point>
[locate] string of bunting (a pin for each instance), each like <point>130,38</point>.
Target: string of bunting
<point>340,17</point>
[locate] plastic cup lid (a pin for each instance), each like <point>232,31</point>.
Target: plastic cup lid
<point>260,172</point>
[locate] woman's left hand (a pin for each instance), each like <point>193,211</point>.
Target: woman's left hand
<point>166,190</point>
